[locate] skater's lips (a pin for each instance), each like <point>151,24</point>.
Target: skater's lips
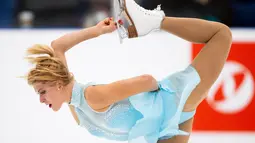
<point>49,105</point>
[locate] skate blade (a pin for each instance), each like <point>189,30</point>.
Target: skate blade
<point>118,15</point>
<point>121,13</point>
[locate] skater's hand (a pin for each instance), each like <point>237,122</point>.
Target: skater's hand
<point>107,26</point>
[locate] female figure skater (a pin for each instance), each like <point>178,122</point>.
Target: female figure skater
<point>140,109</point>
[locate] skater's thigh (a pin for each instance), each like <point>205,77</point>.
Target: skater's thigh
<point>186,126</point>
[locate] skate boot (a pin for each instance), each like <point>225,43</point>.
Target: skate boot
<point>140,21</point>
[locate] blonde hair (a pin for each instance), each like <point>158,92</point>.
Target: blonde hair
<point>48,68</point>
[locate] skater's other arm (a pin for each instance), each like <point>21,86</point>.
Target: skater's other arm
<point>67,41</point>
<point>101,96</point>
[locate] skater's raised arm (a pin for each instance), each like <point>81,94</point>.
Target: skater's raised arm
<point>66,42</point>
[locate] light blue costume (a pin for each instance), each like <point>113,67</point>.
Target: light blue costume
<point>143,118</point>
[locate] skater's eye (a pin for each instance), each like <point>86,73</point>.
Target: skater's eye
<point>42,92</point>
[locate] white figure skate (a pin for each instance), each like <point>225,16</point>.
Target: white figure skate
<point>140,21</point>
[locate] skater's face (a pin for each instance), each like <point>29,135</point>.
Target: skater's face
<point>50,94</point>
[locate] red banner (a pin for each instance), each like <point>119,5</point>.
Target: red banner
<point>230,105</point>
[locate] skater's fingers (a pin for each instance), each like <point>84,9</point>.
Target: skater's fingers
<point>109,18</point>
<point>112,23</point>
<point>108,25</point>
<point>107,21</point>
<point>120,22</point>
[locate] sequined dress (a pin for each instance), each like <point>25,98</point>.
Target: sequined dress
<point>143,118</point>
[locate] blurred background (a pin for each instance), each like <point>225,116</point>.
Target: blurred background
<point>226,116</point>
<point>84,13</point>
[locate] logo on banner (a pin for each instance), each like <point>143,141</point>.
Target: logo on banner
<point>230,103</point>
<point>234,88</point>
